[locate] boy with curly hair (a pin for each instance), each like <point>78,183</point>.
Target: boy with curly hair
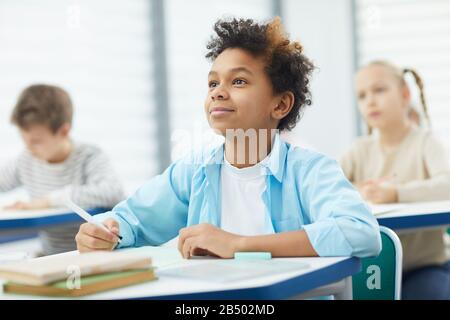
<point>254,192</point>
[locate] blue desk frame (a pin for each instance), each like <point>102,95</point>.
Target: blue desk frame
<point>280,290</point>
<point>46,221</point>
<point>21,229</point>
<point>435,220</point>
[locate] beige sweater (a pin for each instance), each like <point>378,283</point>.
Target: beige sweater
<point>420,167</point>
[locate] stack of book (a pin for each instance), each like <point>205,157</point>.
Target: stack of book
<point>75,274</point>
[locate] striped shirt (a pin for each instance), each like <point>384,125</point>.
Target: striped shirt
<point>86,176</point>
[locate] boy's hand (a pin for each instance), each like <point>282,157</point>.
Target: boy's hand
<point>205,239</point>
<point>379,192</point>
<point>42,203</point>
<point>91,237</point>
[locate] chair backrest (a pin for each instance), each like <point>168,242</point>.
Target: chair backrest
<point>381,276</point>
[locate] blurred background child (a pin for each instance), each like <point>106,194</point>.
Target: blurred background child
<point>402,162</point>
<point>53,166</point>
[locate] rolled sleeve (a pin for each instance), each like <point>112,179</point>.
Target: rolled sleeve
<point>341,224</point>
<point>156,212</point>
<point>327,239</point>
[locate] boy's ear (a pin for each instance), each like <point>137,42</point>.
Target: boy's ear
<point>64,129</point>
<point>284,106</point>
<point>406,94</point>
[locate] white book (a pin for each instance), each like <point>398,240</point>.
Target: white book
<point>44,270</point>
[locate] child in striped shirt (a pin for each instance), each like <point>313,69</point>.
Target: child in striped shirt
<point>54,167</point>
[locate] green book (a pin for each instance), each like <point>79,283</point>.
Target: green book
<point>87,284</point>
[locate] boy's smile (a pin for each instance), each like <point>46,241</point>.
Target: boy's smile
<point>240,94</point>
<point>218,112</point>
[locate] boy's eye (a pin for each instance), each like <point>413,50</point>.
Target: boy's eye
<point>212,84</point>
<point>361,96</point>
<point>239,82</point>
<point>379,89</point>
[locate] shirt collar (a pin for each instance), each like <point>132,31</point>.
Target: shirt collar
<point>274,166</point>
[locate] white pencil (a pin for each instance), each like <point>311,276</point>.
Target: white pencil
<point>86,216</point>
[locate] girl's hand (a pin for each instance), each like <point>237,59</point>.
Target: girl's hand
<point>42,203</point>
<point>203,239</point>
<point>379,192</point>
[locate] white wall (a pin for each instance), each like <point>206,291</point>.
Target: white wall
<point>324,27</point>
<point>100,52</point>
<point>413,34</point>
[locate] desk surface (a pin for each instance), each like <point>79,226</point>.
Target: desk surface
<point>320,272</point>
<point>11,219</point>
<point>434,214</point>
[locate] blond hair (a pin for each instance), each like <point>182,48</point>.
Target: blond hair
<point>400,73</point>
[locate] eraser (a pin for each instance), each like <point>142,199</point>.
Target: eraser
<point>253,255</point>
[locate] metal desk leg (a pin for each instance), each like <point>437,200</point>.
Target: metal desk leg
<point>340,290</point>
<point>347,291</point>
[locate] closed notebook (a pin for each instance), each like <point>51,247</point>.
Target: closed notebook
<point>87,284</point>
<point>41,271</point>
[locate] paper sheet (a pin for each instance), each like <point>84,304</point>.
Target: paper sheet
<point>225,271</point>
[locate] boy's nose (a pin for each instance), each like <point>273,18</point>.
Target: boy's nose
<point>217,97</point>
<point>219,94</point>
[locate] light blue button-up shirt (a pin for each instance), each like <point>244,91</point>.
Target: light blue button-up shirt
<point>304,190</point>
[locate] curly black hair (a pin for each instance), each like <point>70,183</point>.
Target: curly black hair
<point>287,67</point>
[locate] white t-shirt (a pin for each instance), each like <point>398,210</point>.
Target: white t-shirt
<point>242,210</point>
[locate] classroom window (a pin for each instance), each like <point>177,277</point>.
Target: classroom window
<point>100,52</point>
<point>412,34</point>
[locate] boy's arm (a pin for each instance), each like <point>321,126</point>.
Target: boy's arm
<point>156,211</point>
<point>207,239</point>
<point>341,223</point>
<point>284,244</point>
<point>9,177</point>
<point>102,188</point>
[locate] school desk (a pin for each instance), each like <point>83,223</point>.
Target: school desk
<point>320,276</point>
<point>23,224</point>
<point>409,217</point>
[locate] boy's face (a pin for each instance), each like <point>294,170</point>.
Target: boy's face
<point>43,143</point>
<point>240,94</point>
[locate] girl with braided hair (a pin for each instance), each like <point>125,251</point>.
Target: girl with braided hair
<point>402,161</point>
